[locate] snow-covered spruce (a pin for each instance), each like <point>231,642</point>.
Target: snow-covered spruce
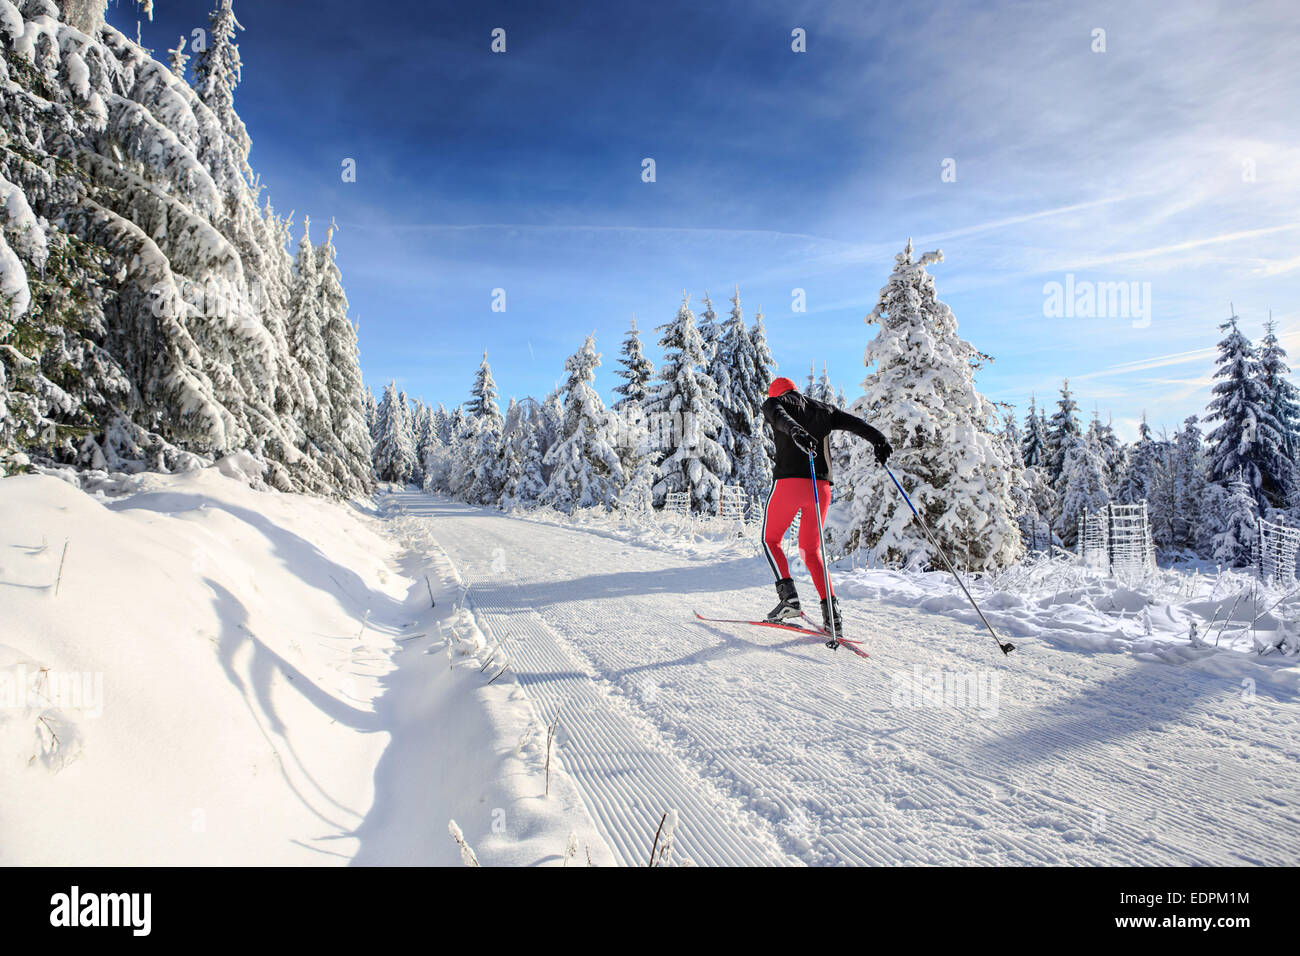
<point>1062,430</point>
<point>1248,443</point>
<point>635,369</point>
<point>744,369</point>
<point>394,451</point>
<point>1282,400</point>
<point>922,395</point>
<point>1083,486</point>
<point>584,467</point>
<point>684,418</point>
<point>133,250</point>
<point>1035,445</point>
<point>523,483</point>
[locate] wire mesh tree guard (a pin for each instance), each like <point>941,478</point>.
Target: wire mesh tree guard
<point>732,503</point>
<point>678,503</point>
<point>1276,549</point>
<point>1118,540</point>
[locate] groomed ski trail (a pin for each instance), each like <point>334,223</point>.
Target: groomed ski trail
<point>776,750</point>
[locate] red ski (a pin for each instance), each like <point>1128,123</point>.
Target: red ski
<point>809,631</point>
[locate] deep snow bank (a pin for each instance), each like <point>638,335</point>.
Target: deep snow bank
<point>209,674</point>
<point>1225,623</point>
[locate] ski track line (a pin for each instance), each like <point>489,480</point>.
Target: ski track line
<point>628,776</point>
<point>775,749</point>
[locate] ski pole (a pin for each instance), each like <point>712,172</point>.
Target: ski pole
<point>834,642</point>
<point>1006,647</point>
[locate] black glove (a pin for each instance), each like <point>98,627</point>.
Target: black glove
<point>805,442</point>
<point>883,450</point>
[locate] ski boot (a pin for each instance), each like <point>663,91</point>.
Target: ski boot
<point>789,606</point>
<point>831,610</point>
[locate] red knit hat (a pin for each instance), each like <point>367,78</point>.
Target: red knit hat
<point>779,386</point>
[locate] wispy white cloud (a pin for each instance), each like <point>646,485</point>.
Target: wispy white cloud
<point>1177,247</point>
<point>1146,364</point>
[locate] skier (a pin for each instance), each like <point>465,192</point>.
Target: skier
<point>802,426</point>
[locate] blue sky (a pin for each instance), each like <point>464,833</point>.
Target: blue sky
<point>1172,158</point>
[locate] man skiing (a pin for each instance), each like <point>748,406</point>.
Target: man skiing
<point>802,426</point>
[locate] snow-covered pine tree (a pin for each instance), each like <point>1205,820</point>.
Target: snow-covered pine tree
<point>442,424</point>
<point>1041,503</point>
<point>522,459</point>
<point>393,451</point>
<point>707,323</point>
<point>271,269</point>
<point>758,477</point>
<point>635,369</point>
<point>460,450</point>
<point>50,308</point>
<point>1061,432</point>
<point>1138,479</point>
<point>408,415</point>
<point>486,465</point>
<point>719,368</point>
<point>1108,446</point>
<point>306,334</point>
<point>629,433</point>
<point>420,419</point>
<point>372,411</point>
<point>352,458</point>
<point>1283,402</point>
<point>632,439</point>
<point>1011,435</point>
<point>1248,441</point>
<point>764,362</point>
<point>585,468</point>
<point>1189,486</point>
<point>1162,505</point>
<point>922,396</point>
<point>824,390</point>
<point>748,375</point>
<point>639,457</point>
<point>483,394</point>
<point>217,71</point>
<point>164,345</point>
<point>684,417</point>
<point>1021,496</point>
<point>547,423</point>
<point>426,435</point>
<point>480,446</point>
<point>1236,542</point>
<point>1035,448</point>
<point>438,457</point>
<point>1083,486</point>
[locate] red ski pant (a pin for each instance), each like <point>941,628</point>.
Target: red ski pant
<point>788,497</point>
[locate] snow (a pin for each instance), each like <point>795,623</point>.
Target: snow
<point>11,21</point>
<point>14,290</point>
<point>1079,608</point>
<point>234,676</point>
<point>194,672</point>
<point>28,238</point>
<point>1093,744</point>
<point>78,75</point>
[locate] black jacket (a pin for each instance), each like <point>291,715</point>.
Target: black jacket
<point>819,419</point>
